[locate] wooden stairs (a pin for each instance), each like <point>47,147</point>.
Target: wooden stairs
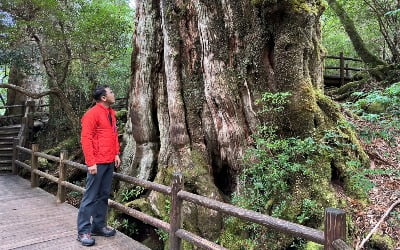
<point>7,135</point>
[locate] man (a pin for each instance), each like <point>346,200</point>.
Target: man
<point>99,139</point>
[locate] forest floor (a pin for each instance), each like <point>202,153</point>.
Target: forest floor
<point>382,144</point>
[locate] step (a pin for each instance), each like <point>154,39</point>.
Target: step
<point>5,132</point>
<point>11,126</point>
<point>8,138</point>
<point>6,149</point>
<point>6,143</point>
<point>9,132</point>
<point>4,169</point>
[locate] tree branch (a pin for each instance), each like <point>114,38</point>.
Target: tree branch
<point>69,111</point>
<point>378,224</point>
<point>54,91</point>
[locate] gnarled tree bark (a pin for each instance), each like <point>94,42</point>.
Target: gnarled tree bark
<point>198,68</point>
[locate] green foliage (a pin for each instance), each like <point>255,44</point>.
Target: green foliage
<point>131,194</point>
<point>335,38</point>
<point>277,161</point>
<point>394,219</point>
<point>309,207</point>
<point>126,226</point>
<point>359,184</point>
<point>287,178</point>
<point>382,108</point>
<point>375,22</point>
<point>162,235</point>
<point>273,101</point>
<point>94,37</point>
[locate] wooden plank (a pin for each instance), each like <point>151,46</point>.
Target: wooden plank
<point>30,218</point>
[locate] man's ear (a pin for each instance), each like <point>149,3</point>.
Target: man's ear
<point>103,98</point>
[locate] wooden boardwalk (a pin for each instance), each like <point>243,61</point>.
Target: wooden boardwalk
<point>30,218</point>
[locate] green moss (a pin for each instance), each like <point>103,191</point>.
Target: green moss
<point>313,246</point>
<point>331,147</point>
<point>302,6</point>
<point>141,205</point>
<point>234,235</point>
<point>257,2</point>
<point>376,107</point>
<point>348,87</point>
<point>383,242</point>
<point>197,179</point>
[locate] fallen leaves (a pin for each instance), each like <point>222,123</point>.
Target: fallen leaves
<point>385,156</point>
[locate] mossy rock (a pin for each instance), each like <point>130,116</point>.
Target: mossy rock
<point>380,242</point>
<point>376,108</point>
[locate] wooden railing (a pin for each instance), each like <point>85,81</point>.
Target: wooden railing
<point>120,103</point>
<point>344,69</point>
<point>21,110</point>
<point>25,118</point>
<point>332,237</point>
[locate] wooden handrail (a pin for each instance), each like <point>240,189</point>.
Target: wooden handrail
<point>344,69</point>
<point>11,106</point>
<point>345,58</point>
<point>249,215</point>
<point>332,238</point>
<point>10,116</point>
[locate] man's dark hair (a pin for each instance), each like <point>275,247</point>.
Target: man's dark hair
<point>99,92</point>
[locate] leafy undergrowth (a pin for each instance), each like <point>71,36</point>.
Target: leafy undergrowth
<point>377,122</point>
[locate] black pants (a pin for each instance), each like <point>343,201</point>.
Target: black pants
<point>94,203</point>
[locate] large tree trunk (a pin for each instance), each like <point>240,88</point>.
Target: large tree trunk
<point>198,69</point>
<point>355,38</point>
<point>29,74</point>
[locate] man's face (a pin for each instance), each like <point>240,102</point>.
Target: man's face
<point>109,97</point>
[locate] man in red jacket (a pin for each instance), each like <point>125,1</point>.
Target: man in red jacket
<point>99,139</point>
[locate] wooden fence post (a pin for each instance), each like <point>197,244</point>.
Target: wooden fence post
<point>30,121</point>
<point>14,156</point>
<point>23,107</point>
<point>341,69</point>
<point>335,226</point>
<point>34,165</point>
<point>61,191</point>
<point>175,214</point>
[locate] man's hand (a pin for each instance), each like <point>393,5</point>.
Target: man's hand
<point>117,161</point>
<point>92,169</point>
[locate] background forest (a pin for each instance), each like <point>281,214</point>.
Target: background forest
<point>296,150</point>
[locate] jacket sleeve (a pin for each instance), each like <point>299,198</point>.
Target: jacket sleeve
<point>117,144</point>
<point>87,138</point>
<point>116,137</point>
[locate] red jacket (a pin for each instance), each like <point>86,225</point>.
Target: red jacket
<point>99,138</point>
